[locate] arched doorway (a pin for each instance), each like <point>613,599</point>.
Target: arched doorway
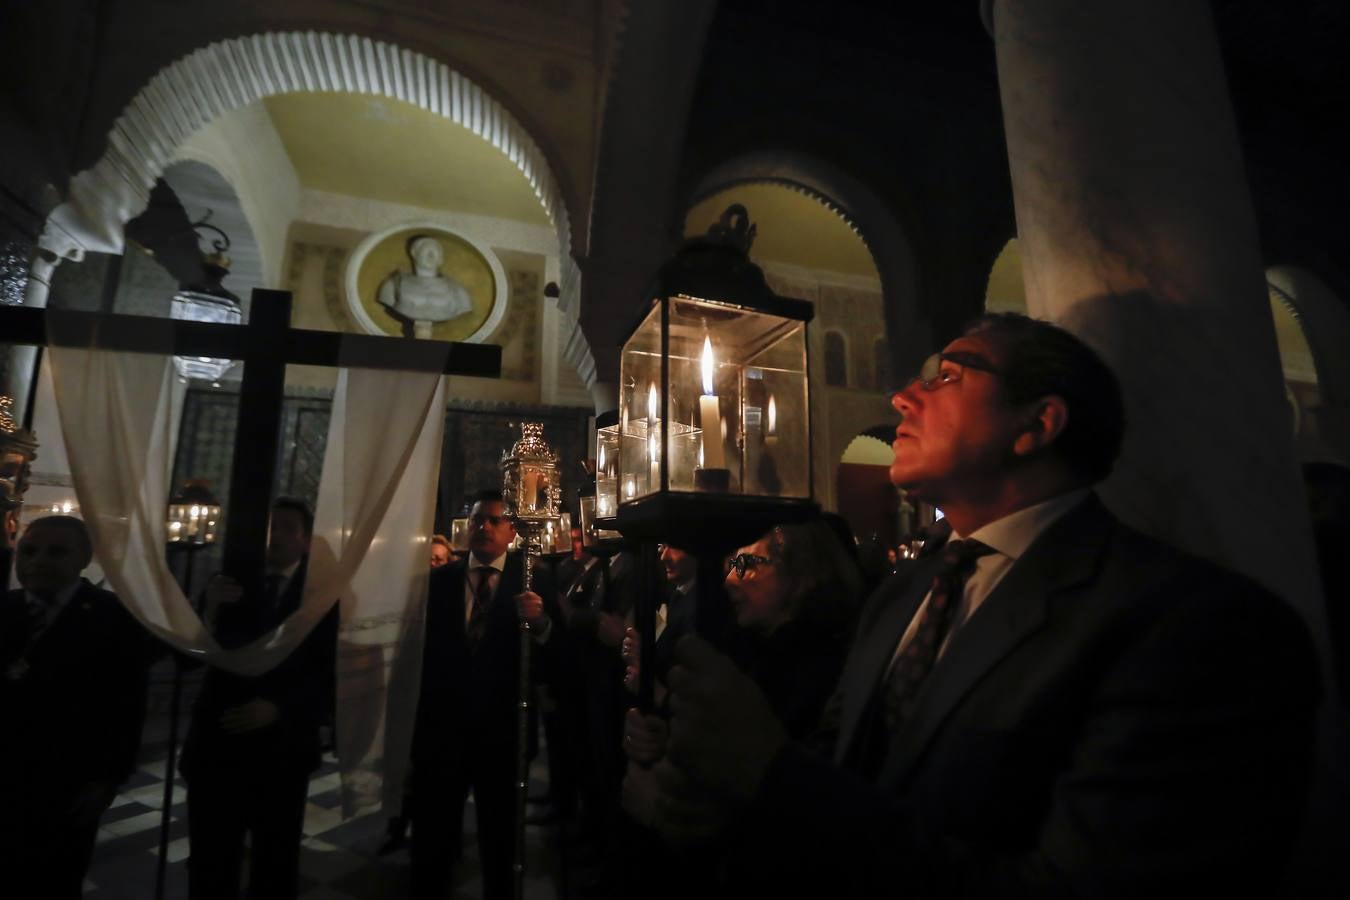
<point>863,490</point>
<point>229,75</point>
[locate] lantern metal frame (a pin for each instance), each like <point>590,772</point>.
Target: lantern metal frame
<point>714,270</point>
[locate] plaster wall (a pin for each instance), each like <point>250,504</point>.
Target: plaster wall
<point>851,305</point>
<point>245,149</point>
<point>329,226</point>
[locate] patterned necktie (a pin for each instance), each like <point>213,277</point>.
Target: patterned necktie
<point>482,599</point>
<point>935,621</point>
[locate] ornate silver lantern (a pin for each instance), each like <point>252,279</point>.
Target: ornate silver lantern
<point>531,490</point>
<point>18,449</point>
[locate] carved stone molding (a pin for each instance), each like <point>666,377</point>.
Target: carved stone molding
<point>230,74</point>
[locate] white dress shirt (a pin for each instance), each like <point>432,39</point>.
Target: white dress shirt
<point>1009,537</point>
<point>497,566</point>
<point>51,608</point>
<point>539,633</point>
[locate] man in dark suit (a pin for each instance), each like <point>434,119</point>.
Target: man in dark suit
<point>1053,705</point>
<point>253,742</point>
<point>466,733</point>
<point>72,701</point>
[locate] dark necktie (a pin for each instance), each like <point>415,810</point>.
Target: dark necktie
<point>482,599</point>
<point>916,661</point>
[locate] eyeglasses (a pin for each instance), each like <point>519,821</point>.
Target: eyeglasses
<point>744,561</point>
<point>491,521</point>
<point>933,375</point>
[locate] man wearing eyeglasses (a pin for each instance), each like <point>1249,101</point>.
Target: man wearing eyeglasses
<point>466,713</point>
<point>1051,705</point>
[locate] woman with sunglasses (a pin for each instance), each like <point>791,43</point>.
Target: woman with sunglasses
<point>795,593</point>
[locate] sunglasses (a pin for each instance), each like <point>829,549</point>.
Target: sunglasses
<point>742,562</point>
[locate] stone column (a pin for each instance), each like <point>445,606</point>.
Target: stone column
<point>1137,233</point>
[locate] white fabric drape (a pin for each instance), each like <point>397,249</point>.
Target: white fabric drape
<point>375,509</point>
<point>377,499</point>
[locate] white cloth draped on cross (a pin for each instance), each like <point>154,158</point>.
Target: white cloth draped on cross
<point>374,511</point>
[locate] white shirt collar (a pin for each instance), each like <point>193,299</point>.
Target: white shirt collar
<point>1014,533</point>
<point>287,573</point>
<point>58,602</point>
<point>499,563</point>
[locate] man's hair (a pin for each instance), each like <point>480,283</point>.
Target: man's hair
<point>490,495</point>
<point>75,526</point>
<point>301,508</point>
<point>442,540</point>
<point>1039,359</point>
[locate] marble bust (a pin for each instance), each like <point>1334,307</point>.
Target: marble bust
<point>425,296</point>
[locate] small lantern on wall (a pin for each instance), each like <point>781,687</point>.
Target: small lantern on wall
<point>714,410</point>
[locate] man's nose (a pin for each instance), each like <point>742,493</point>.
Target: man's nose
<point>902,401</point>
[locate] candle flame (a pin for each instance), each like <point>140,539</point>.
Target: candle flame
<point>651,404</point>
<point>773,416</point>
<point>600,463</point>
<point>707,366</point>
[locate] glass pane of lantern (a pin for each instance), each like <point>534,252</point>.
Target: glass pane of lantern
<point>459,534</point>
<point>639,406</point>
<point>737,403</point>
<point>607,472</point>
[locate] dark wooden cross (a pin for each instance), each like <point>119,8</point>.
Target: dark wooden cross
<point>266,345</point>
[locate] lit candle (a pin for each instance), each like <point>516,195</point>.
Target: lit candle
<point>530,490</point>
<point>712,456</point>
<point>771,433</point>
<point>600,463</point>
<point>653,427</point>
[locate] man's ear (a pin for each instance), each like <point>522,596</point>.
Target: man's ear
<point>1048,418</point>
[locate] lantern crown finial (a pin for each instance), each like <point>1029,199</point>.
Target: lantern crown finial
<point>734,229</point>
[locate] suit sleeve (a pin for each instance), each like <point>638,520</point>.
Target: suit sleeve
<point>123,682</point>
<point>1186,774</point>
<point>303,685</point>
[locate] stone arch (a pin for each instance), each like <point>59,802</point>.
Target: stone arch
<point>910,333</point>
<point>229,74</point>
<point>865,496</point>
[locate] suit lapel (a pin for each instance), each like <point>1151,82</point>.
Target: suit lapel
<point>1066,554</point>
<point>873,651</point>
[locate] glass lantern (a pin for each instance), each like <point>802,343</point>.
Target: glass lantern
<point>459,534</point>
<point>714,400</point>
<point>193,516</point>
<point>607,466</point>
<point>207,301</point>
